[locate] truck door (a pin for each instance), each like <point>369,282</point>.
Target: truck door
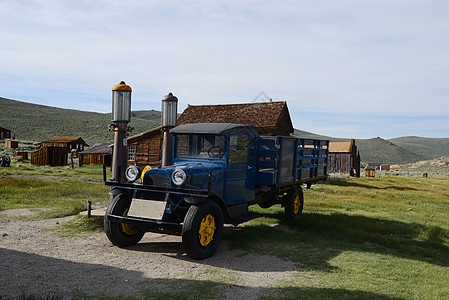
<point>241,174</point>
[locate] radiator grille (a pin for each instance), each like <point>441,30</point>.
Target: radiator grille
<point>159,180</point>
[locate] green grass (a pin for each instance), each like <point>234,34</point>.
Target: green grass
<point>51,192</point>
<point>393,241</point>
<point>80,226</point>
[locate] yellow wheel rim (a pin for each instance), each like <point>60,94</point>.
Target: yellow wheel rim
<point>127,228</point>
<point>207,230</point>
<point>296,205</point>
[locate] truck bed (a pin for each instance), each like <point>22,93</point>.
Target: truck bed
<point>283,160</point>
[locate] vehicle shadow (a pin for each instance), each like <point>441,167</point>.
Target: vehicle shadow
<point>31,276</point>
<point>312,241</point>
<point>329,235</point>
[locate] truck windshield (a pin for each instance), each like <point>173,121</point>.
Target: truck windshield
<point>201,146</point>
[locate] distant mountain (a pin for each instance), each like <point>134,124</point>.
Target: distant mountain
<point>430,148</point>
<point>32,122</point>
<point>378,150</point>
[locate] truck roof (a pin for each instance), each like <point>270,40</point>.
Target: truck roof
<point>212,128</point>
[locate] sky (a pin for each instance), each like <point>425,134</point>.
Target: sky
<point>352,69</point>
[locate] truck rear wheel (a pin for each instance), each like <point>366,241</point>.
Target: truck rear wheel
<point>202,229</point>
<point>121,234</point>
<point>294,204</point>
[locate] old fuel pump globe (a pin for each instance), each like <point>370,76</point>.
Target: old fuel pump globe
<point>121,102</point>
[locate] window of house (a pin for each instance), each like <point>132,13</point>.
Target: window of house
<point>132,153</point>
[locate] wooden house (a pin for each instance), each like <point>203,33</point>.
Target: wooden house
<point>50,155</point>
<point>55,152</point>
<point>5,133</point>
<point>11,143</point>
<point>146,148</point>
<point>69,142</point>
<point>272,118</point>
<point>384,167</point>
<point>21,153</point>
<point>370,172</point>
<point>344,158</point>
<point>98,154</point>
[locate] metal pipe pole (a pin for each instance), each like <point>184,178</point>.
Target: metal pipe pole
<point>119,157</point>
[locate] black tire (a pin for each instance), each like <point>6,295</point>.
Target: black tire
<point>294,204</point>
<point>121,234</point>
<point>6,161</point>
<point>202,229</point>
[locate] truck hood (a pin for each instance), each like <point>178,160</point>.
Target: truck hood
<point>197,173</point>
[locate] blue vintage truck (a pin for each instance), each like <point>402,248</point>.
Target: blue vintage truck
<point>218,171</point>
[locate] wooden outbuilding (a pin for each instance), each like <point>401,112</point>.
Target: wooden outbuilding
<point>5,133</point>
<point>344,157</point>
<point>11,143</point>
<point>69,142</point>
<point>21,153</point>
<point>145,149</point>
<point>98,154</point>
<point>370,172</point>
<point>55,152</point>
<point>50,155</point>
<point>272,118</point>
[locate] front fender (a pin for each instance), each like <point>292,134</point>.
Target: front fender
<point>114,191</point>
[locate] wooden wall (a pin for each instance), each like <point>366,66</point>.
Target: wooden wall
<point>148,152</point>
<point>53,156</point>
<point>97,159</point>
<point>339,163</point>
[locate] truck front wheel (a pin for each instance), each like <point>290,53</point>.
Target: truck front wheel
<point>202,229</point>
<point>121,234</point>
<point>294,204</point>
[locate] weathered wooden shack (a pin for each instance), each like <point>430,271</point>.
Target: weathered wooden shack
<point>69,142</point>
<point>55,152</point>
<point>344,157</point>
<point>11,143</point>
<point>145,149</point>
<point>272,118</point>
<point>98,154</point>
<point>21,153</point>
<point>5,133</point>
<point>50,155</point>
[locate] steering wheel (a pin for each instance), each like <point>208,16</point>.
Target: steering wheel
<point>215,152</point>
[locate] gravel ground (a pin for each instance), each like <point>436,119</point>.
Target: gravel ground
<point>35,262</point>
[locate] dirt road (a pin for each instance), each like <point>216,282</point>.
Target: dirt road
<point>35,262</point>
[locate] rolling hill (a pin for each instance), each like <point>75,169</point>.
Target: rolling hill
<point>32,122</point>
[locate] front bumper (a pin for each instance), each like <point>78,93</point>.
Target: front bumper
<point>147,224</point>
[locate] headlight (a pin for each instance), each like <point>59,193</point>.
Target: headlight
<point>132,173</point>
<point>178,176</point>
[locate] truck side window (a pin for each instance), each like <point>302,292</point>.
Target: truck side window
<point>238,148</point>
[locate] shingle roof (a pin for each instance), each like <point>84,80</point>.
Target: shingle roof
<point>99,149</point>
<point>148,133</point>
<point>65,139</point>
<point>340,147</point>
<point>265,114</point>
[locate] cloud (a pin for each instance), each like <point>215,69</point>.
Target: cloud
<point>382,58</point>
